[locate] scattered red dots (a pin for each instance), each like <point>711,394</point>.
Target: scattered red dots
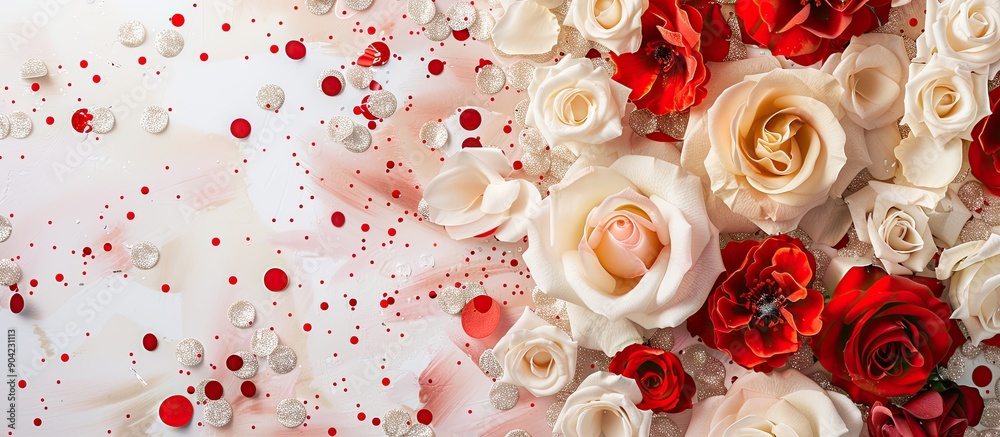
<point>97,78</point>
<point>480,317</point>
<point>232,280</point>
<point>177,20</point>
<point>81,120</point>
<point>144,190</point>
<point>176,411</point>
<point>130,215</point>
<point>365,227</point>
<point>149,342</point>
<point>142,60</point>
<point>332,86</point>
<point>354,339</point>
<point>248,389</point>
<point>240,128</point>
<point>22,384</point>
<point>226,27</point>
<point>165,288</point>
<point>107,247</point>
<point>216,241</point>
<point>307,327</point>
<point>385,382</point>
<point>275,279</point>
<point>424,416</point>
<point>274,49</point>
<point>35,87</point>
<point>331,432</point>
<point>295,50</point>
<point>83,63</point>
<point>38,422</point>
<point>64,358</point>
<point>435,67</point>
<point>470,119</point>
<point>982,376</point>
<point>16,303</point>
<point>203,57</point>
<point>234,362</point>
<point>50,120</point>
<point>213,390</point>
<point>338,219</point>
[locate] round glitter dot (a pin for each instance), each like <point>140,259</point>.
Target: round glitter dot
<point>358,141</point>
<point>643,122</point>
<point>519,75</point>
<point>291,413</point>
<point>154,119</point>
<point>103,120</point>
<point>491,79</point>
<point>189,352</point>
<point>149,342</point>
<point>131,33</point>
<point>480,317</point>
<point>531,140</point>
<point>482,28</point>
<point>358,5</point>
<point>4,126</point>
<point>169,43</point>
<point>16,303</point>
<point>5,229</point>
<point>270,97</point>
<point>437,29</point>
<point>331,82</point>
<point>382,104</point>
<point>395,423</point>
<point>572,42</point>
<point>490,365</point>
<point>359,77</point>
<point>673,124</point>
<point>434,134</point>
<point>33,68</point>
<point>242,314</point>
<point>421,11</point>
<point>503,396</point>
<point>452,300</point>
<point>517,433</point>
<point>419,430</point>
<point>282,360</point>
<point>20,125</point>
<point>250,365</point>
<point>460,16</point>
<point>424,210</point>
<point>521,112</point>
<point>263,342</point>
<point>144,255</point>
<point>218,413</point>
<point>176,411</point>
<point>275,279</point>
<point>199,390</point>
<point>339,128</point>
<point>319,7</point>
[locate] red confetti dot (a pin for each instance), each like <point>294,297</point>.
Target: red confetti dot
<point>460,35</point>
<point>470,119</point>
<point>274,49</point>
<point>203,57</point>
<point>142,60</point>
<point>226,27</point>
<point>365,227</point>
<point>295,50</point>
<point>232,280</point>
<point>424,416</point>
<point>81,121</point>
<point>982,376</point>
<point>35,87</point>
<point>22,383</point>
<point>149,342</point>
<point>331,432</point>
<point>50,120</point>
<point>144,190</point>
<point>97,78</point>
<point>83,63</point>
<point>275,279</point>
<point>435,67</point>
<point>16,303</point>
<point>216,241</point>
<point>248,389</point>
<point>38,422</point>
<point>176,411</point>
<point>471,142</point>
<point>480,317</point>
<point>354,339</point>
<point>332,85</point>
<point>376,54</point>
<point>234,362</point>
<point>64,358</point>
<point>213,390</point>
<point>338,219</point>
<point>177,20</point>
<point>107,247</point>
<point>385,382</point>
<point>240,128</point>
<point>307,327</point>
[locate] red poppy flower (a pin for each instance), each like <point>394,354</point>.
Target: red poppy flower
<point>984,153</point>
<point>665,387</point>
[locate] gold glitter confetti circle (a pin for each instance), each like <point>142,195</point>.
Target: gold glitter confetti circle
<point>199,390</point>
<point>154,119</point>
<point>169,43</point>
<point>382,104</point>
<point>218,413</point>
<point>460,16</point>
<point>144,255</point>
<point>339,128</point>
<point>503,396</point>
<point>452,300</point>
<point>482,28</point>
<point>437,29</point>
<point>521,112</point>
<point>291,413</point>
<point>434,134</point>
<point>358,141</point>
<point>33,68</point>
<point>607,66</point>
<point>536,164</point>
<point>282,360</point>
<point>242,314</point>
<point>395,423</point>
<point>263,342</point>
<point>359,77</point>
<point>519,75</point>
<point>5,229</point>
<point>10,273</point>
<point>131,34</point>
<point>643,122</point>
<point>20,125</point>
<point>572,42</point>
<point>189,352</point>
<point>319,7</point>
<point>491,79</point>
<point>103,121</point>
<point>424,210</point>
<point>250,365</point>
<point>358,5</point>
<point>270,97</point>
<point>531,140</point>
<point>327,73</point>
<point>421,11</point>
<point>490,365</point>
<point>419,430</point>
<point>4,126</point>
<point>517,433</point>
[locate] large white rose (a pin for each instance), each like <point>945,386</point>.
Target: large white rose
<point>616,24</point>
<point>771,144</point>
<point>536,355</point>
<point>626,244</point>
<point>472,196</point>
<point>974,292</point>
<point>967,31</point>
<point>893,219</point>
<point>781,403</point>
<point>943,100</point>
<point>576,101</point>
<point>604,405</point>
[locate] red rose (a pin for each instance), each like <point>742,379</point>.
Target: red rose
<point>763,307</point>
<point>667,73</point>
<point>883,335</point>
<point>928,414</point>
<point>984,153</point>
<point>808,31</point>
<point>664,385</point>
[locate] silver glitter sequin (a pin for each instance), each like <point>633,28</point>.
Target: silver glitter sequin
<point>437,29</point>
<point>519,75</point>
<point>491,79</point>
<point>250,365</point>
<point>419,430</point>
<point>531,140</point>
<point>218,413</point>
<point>339,128</point>
<point>291,413</point>
<point>608,67</point>
<point>131,33</point>
<point>673,124</point>
<point>358,5</point>
<point>452,300</point>
<point>482,28</point>
<point>5,229</point>
<point>263,342</point>
<point>103,121</point>
<point>169,43</point>
<point>421,11</point>
<point>662,426</point>
<point>4,126</point>
<point>199,390</point>
<point>955,368</point>
<point>490,365</point>
<point>282,360</point>
<point>33,68</point>
<point>270,97</point>
<point>536,164</point>
<point>434,134</point>
<point>521,112</point>
<point>319,7</point>
<point>382,104</point>
<point>10,273</point>
<point>552,413</point>
<point>517,433</point>
<point>359,77</point>
<point>359,140</point>
<point>395,422</point>
<point>154,119</point>
<point>662,339</point>
<point>20,125</point>
<point>991,414</point>
<point>642,121</point>
<point>424,210</point>
<point>503,396</point>
<point>460,16</point>
<point>327,73</point>
<point>144,255</point>
<point>189,352</point>
<point>242,314</point>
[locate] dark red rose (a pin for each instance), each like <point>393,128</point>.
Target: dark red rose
<point>762,309</point>
<point>984,153</point>
<point>808,31</point>
<point>883,335</point>
<point>667,73</point>
<point>664,385</point>
<point>928,414</point>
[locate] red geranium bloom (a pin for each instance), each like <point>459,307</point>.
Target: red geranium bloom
<point>762,309</point>
<point>984,153</point>
<point>665,387</point>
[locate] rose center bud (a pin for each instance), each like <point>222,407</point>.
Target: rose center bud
<point>765,301</point>
<point>899,232</point>
<point>608,13</point>
<point>626,244</point>
<point>575,107</point>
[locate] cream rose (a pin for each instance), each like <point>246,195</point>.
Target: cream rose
<point>781,403</point>
<point>873,72</point>
<point>893,219</point>
<point>967,31</point>
<point>604,405</point>
<point>925,163</point>
<point>614,23</point>
<point>536,355</point>
<point>472,196</point>
<point>576,101</point>
<point>772,144</point>
<point>509,35</point>
<point>943,100</point>
<point>974,292</point>
<point>624,245</point>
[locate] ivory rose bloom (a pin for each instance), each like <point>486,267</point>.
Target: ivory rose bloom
<point>536,355</point>
<point>786,404</point>
<point>473,197</point>
<point>943,100</point>
<point>967,31</point>
<point>624,245</point>
<point>893,219</point>
<point>576,101</point>
<point>974,293</point>
<point>614,23</point>
<point>604,405</point>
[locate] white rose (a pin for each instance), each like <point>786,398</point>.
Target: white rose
<point>893,219</point>
<point>943,100</point>
<point>509,35</point>
<point>616,24</point>
<point>576,101</point>
<point>781,403</point>
<point>873,72</point>
<point>473,197</point>
<point>536,355</point>
<point>974,293</point>
<point>604,405</point>
<point>626,244</point>
<point>967,31</point>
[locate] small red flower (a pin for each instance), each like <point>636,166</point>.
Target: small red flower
<point>665,387</point>
<point>984,153</point>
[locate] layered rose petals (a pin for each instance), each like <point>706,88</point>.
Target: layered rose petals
<point>665,387</point>
<point>947,414</point>
<point>984,153</point>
